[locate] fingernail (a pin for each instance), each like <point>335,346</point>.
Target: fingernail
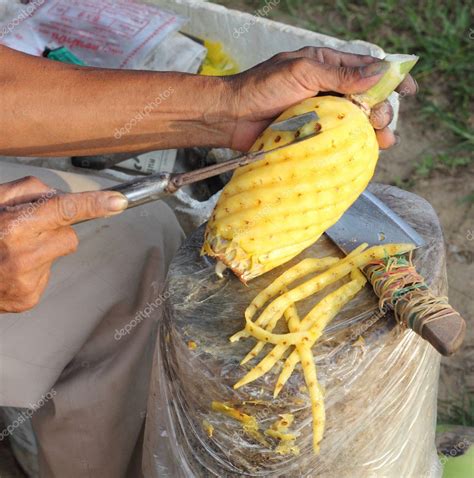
<point>397,139</point>
<point>374,69</point>
<point>117,203</point>
<point>416,86</point>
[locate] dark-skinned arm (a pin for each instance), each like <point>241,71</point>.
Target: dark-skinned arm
<point>55,109</point>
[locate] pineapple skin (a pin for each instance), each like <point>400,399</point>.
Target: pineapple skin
<point>275,208</point>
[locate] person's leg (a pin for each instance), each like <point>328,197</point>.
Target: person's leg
<point>90,340</point>
<point>92,425</point>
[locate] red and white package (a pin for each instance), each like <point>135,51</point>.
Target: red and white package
<point>105,33</point>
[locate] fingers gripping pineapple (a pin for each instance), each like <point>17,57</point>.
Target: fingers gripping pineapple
<point>275,208</point>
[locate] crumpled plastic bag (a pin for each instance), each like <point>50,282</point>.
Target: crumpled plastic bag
<point>104,33</point>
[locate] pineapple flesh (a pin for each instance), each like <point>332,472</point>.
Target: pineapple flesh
<point>273,209</point>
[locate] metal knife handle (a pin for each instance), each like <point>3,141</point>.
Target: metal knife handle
<point>146,189</point>
<point>445,334</point>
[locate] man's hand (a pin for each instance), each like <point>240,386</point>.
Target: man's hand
<point>35,229</point>
<point>263,92</point>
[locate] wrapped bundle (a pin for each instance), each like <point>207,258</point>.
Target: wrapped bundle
<point>379,381</point>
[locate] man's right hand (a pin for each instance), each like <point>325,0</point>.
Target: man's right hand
<point>35,229</point>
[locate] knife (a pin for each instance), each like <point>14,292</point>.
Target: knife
<point>156,186</point>
<point>105,161</point>
<point>370,220</point>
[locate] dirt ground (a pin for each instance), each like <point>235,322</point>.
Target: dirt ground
<point>444,191</point>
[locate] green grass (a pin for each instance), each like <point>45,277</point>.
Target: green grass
<point>404,183</point>
<point>467,199</point>
<point>439,32</point>
<point>448,160</point>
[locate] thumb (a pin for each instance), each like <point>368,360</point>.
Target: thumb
<point>67,209</point>
<point>348,80</point>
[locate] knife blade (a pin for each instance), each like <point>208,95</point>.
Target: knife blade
<point>295,122</point>
<point>370,220</point>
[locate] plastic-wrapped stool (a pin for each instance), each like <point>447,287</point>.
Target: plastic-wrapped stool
<point>380,391</point>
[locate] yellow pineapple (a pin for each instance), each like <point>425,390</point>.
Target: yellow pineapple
<point>275,208</point>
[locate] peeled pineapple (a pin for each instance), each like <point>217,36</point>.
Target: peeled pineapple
<point>275,208</point>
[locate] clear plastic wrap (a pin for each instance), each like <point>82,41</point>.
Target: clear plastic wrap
<point>380,381</point>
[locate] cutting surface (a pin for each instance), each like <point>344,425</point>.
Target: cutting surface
<point>205,310</point>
